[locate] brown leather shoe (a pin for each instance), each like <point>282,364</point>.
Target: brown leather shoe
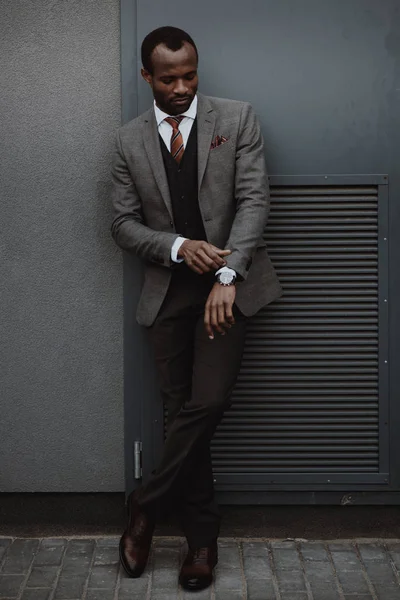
<point>197,570</point>
<point>135,543</point>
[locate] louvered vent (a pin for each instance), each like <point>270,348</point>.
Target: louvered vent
<point>307,396</point>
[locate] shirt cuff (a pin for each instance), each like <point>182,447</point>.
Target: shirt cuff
<point>226,270</point>
<point>175,248</point>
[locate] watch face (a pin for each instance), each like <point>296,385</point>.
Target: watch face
<point>226,278</point>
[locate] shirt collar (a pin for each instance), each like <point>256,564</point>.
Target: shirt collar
<point>191,112</point>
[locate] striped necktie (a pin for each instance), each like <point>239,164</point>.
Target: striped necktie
<point>177,147</point>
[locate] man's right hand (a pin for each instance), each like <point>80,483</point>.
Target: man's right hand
<point>201,256</point>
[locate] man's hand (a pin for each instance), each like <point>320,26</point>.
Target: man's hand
<point>201,256</point>
<point>218,313</point>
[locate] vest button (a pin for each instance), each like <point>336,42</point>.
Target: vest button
<point>171,223</point>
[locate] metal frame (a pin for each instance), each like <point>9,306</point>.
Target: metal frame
<point>143,407</point>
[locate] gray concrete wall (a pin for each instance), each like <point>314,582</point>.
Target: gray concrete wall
<point>61,424</point>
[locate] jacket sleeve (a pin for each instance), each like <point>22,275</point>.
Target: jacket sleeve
<point>128,228</point>
<point>251,194</point>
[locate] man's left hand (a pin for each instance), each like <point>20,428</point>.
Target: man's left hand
<point>218,315</point>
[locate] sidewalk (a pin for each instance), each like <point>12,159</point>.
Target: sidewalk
<point>82,568</point>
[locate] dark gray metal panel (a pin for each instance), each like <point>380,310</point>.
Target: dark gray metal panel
<point>306,401</point>
<point>140,382</point>
<point>327,99</point>
<point>319,74</point>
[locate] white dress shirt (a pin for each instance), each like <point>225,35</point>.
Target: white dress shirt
<point>165,131</point>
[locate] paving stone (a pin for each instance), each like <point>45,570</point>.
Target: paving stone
<point>327,591</point>
<point>293,596</point>
<point>19,556</point>
<point>78,552</point>
<point>387,592</point>
<point>318,572</point>
<point>106,555</point>
<point>36,594</point>
<point>394,551</point>
<point>104,576</point>
<point>291,581</point>
<point>75,569</point>
<point>224,595</point>
<point>70,586</point>
<point>286,558</point>
<point>346,559</point>
<point>314,552</point>
<point>202,595</point>
<point>165,563</point>
<point>372,552</point>
<point>380,573</point>
<point>322,587</point>
<point>340,546</point>
<point>100,594</point>
<point>4,544</point>
<point>108,541</point>
<point>256,561</point>
<point>228,571</point>
<point>353,582</point>
<point>159,595</point>
<point>50,552</point>
<point>358,597</point>
<point>260,590</point>
<point>284,544</point>
<point>10,585</point>
<point>134,589</point>
<point>42,577</point>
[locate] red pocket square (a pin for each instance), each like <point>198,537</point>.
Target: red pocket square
<point>218,141</point>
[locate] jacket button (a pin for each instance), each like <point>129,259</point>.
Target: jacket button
<point>171,223</point>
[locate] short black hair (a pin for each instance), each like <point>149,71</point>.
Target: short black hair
<point>172,37</point>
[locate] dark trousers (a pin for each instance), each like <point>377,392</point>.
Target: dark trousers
<point>196,376</point>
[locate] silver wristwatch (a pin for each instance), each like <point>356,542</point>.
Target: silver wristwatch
<point>226,278</point>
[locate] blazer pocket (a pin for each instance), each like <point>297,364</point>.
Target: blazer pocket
<point>221,146</point>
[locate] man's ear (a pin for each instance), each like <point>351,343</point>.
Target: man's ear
<point>146,75</point>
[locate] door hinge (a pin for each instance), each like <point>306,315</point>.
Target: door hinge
<point>137,460</point>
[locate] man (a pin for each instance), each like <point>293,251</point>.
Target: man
<point>190,198</point>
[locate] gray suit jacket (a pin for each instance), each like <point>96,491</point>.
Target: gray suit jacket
<point>233,199</point>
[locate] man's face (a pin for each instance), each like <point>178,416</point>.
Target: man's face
<point>174,80</point>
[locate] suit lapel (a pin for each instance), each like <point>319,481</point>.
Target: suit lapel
<point>205,130</point>
<point>153,150</point>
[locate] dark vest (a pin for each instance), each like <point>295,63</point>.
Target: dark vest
<point>182,181</point>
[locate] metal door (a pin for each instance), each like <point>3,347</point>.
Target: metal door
<point>311,407</point>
